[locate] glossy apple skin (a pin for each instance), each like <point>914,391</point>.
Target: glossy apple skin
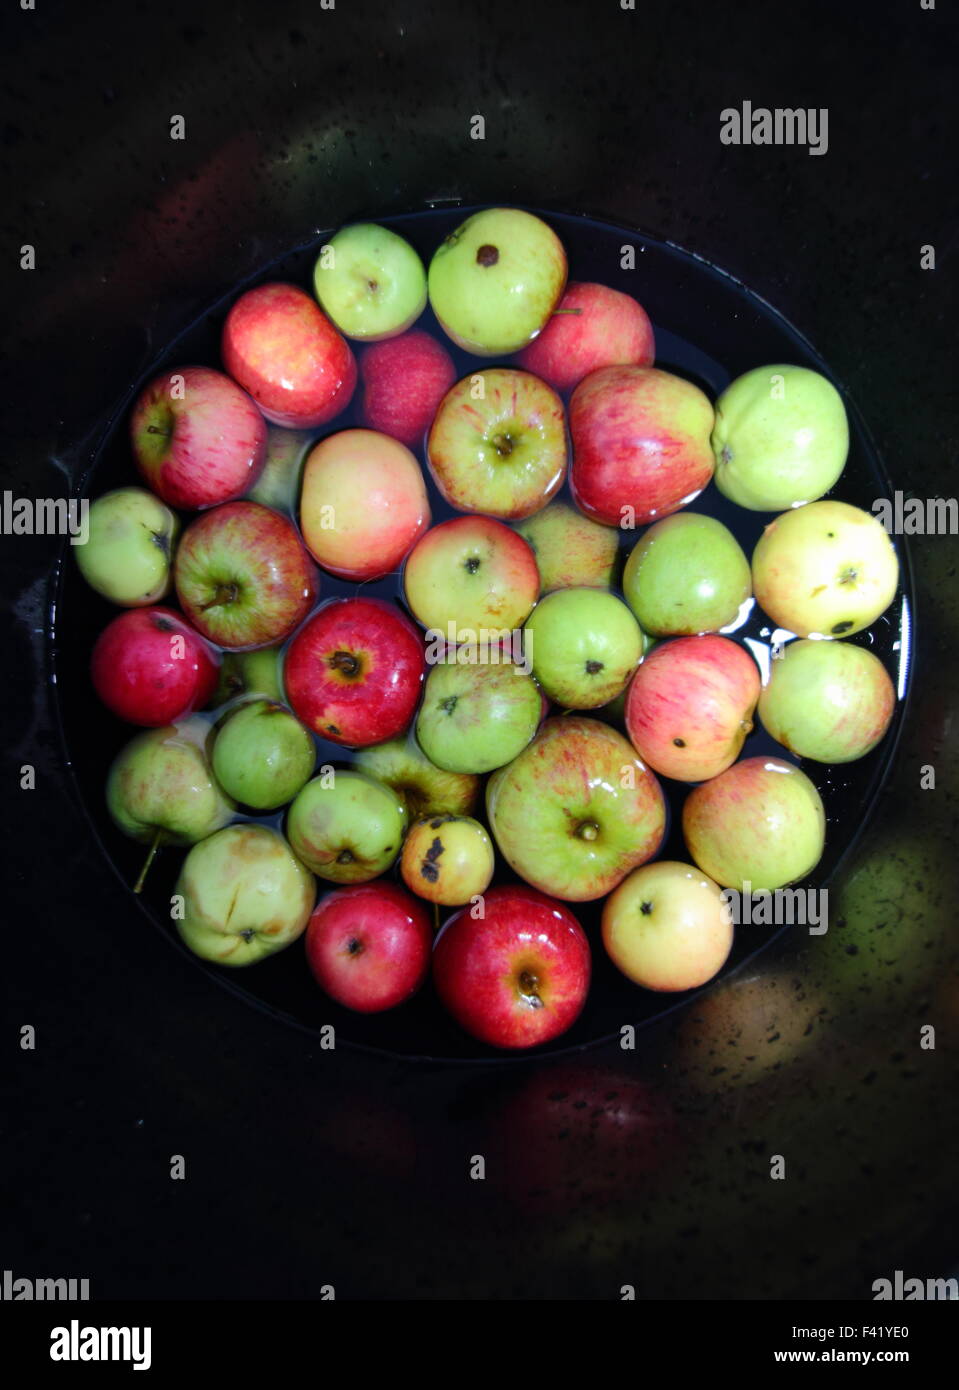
<point>571,551</point>
<point>503,455</point>
<point>161,781</point>
<point>700,690</point>
<point>640,440</point>
<point>447,860</point>
<point>592,326</point>
<point>585,644</point>
<point>243,576</point>
<point>278,486</point>
<point>666,927</point>
<point>526,947</point>
<point>204,447</point>
<point>686,574</point>
<point>829,701</point>
<point>353,672</point>
<point>150,667</point>
<point>375,491</point>
<point>761,821</point>
<point>127,556</point>
<point>427,790</point>
<point>262,755</point>
<point>404,379</point>
<point>476,718</point>
<point>827,568</point>
<point>281,348</point>
<point>365,254</point>
<point>347,829</point>
<point>369,946</point>
<point>472,571</point>
<point>563,818</point>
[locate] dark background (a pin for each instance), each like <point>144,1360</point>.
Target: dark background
<point>306,1168</point>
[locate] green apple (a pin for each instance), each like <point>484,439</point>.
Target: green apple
<point>426,790</point>
<point>263,755</point>
<point>572,552</point>
<point>577,810</point>
<point>667,927</point>
<point>827,569</point>
<point>127,554</point>
<point>347,827</point>
<point>474,718</point>
<point>278,486</point>
<point>248,675</point>
<point>829,701</point>
<point>686,574</point>
<point>447,860</point>
<point>370,282</point>
<point>781,438</point>
<point>495,280</point>
<point>585,645</point>
<point>471,576</point>
<point>245,896</point>
<point>760,822</point>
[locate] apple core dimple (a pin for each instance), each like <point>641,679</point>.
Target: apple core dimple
<point>487,255</point>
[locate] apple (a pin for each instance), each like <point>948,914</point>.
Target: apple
<point>593,326</point>
<point>640,444</point>
<point>691,705</point>
<point>424,788</point>
<point>245,896</point>
<point>370,282</point>
<point>667,927</point>
<point>149,667</point>
<point>476,718</point>
<point>127,554</point>
<point>571,551</point>
<point>243,576</point>
<point>404,379</point>
<point>472,572</point>
<point>686,574</point>
<point>781,438</point>
<point>346,827</point>
<point>496,279</point>
<point>447,860</point>
<point>369,946</point>
<point>363,504</point>
<point>262,755</point>
<point>826,569</point>
<point>353,672</point>
<point>517,977</point>
<point>197,438</point>
<point>760,822</point>
<point>248,675</point>
<point>498,444</point>
<point>829,701</point>
<point>577,810</point>
<point>282,349</point>
<point>278,486</point>
<point>585,645</point>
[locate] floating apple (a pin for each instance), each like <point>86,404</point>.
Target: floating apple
<point>640,444</point>
<point>495,280</point>
<point>690,706</point>
<point>346,827</point>
<point>666,927</point>
<point>593,326</point>
<point>249,675</point>
<point>369,946</point>
<point>498,443</point>
<point>278,486</point>
<point>447,860</point>
<point>571,551</point>
<point>686,574</point>
<point>404,379</point>
<point>829,701</point>
<point>475,718</point>
<point>826,569</point>
<point>585,645</point>
<point>781,438</point>
<point>363,504</point>
<point>370,281</point>
<point>519,976</point>
<point>262,755</point>
<point>473,573</point>
<point>150,667</point>
<point>760,822</point>
<point>128,551</point>
<point>425,789</point>
<point>577,810</point>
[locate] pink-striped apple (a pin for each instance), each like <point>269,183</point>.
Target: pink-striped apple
<point>447,860</point>
<point>369,946</point>
<point>829,701</point>
<point>593,326</point>
<point>472,573</point>
<point>667,926</point>
<point>571,551</point>
<point>151,667</point>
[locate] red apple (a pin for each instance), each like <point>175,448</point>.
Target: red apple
<point>150,667</point>
<point>369,946</point>
<point>353,672</point>
<point>197,438</point>
<point>404,379</point>
<point>593,326</point>
<point>690,706</point>
<point>279,345</point>
<point>517,976</point>
<point>243,576</point>
<point>641,445</point>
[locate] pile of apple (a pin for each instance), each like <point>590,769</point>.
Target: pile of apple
<point>518,650</point>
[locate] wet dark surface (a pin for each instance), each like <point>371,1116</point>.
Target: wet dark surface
<point>306,1167</point>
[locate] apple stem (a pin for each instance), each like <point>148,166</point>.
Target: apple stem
<point>147,862</point>
<point>155,429</point>
<point>566,311</point>
<point>436,917</point>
